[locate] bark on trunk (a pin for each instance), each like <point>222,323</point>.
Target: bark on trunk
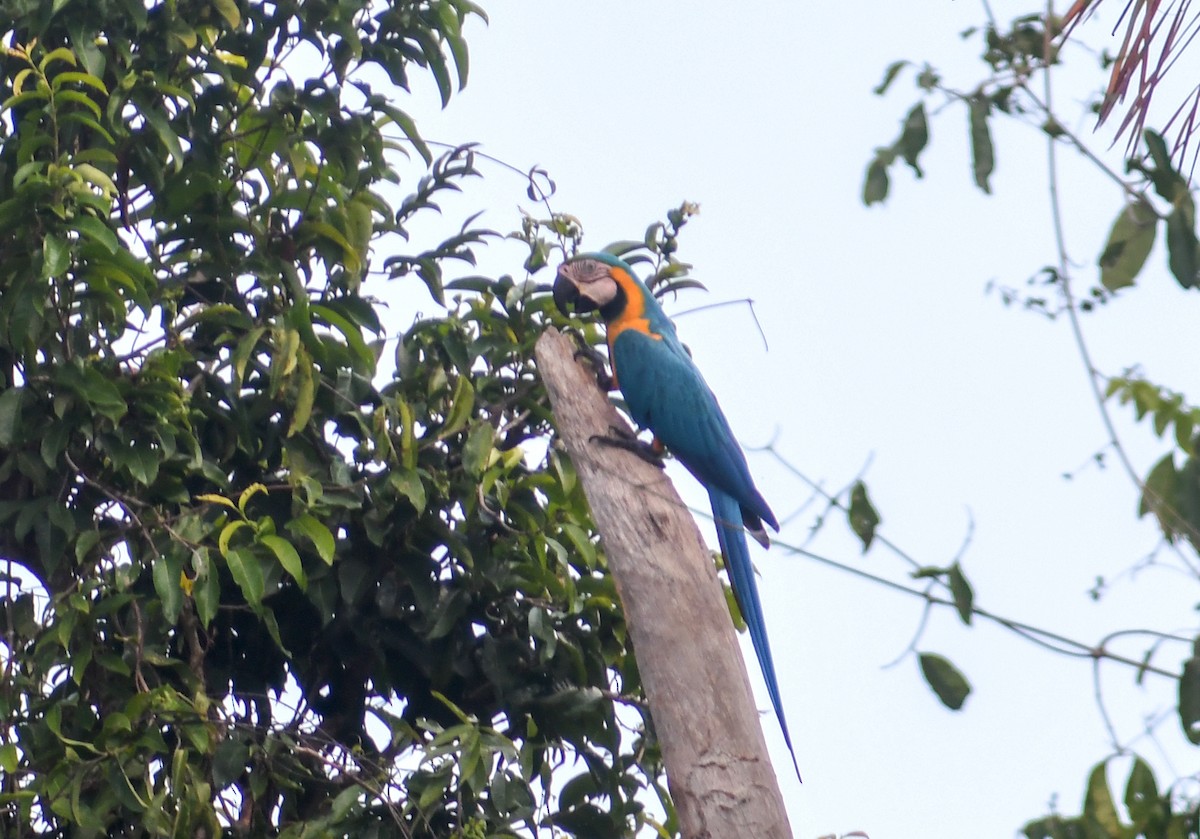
<point>720,776</point>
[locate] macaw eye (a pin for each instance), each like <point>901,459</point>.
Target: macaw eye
<point>592,272</point>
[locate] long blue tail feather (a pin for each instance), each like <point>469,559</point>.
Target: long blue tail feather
<point>732,538</point>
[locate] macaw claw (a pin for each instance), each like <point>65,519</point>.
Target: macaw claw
<point>596,360</point>
<point>622,439</point>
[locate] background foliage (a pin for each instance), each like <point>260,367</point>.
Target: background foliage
<point>252,584</point>
<point>1022,57</point>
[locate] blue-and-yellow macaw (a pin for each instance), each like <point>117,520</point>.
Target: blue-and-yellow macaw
<point>666,394</point>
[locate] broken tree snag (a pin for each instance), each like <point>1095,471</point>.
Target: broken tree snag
<point>720,776</point>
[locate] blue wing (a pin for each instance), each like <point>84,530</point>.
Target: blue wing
<point>666,394</point>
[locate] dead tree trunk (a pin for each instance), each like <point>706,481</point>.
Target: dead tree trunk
<point>716,759</point>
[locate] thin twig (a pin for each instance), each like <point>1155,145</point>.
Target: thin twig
<point>1065,133</point>
<point>920,631</point>
<point>1064,284</point>
<point>1050,640</point>
<point>1098,694</point>
<point>833,499</point>
<point>749,301</point>
<point>987,9</point>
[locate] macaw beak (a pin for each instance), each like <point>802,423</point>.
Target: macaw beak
<point>565,293</point>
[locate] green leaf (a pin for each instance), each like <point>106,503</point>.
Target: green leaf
<point>1129,244</point>
<point>478,449</point>
<point>983,155</point>
<point>229,11</point>
<point>247,573</point>
<point>435,62</point>
<point>229,762</point>
<point>1168,183</point>
<point>103,396</point>
<point>409,127</point>
<point>1182,257</point>
<point>461,56</point>
<point>75,77</point>
<point>1189,699</point>
<point>158,123</point>
<point>248,493</point>
<point>360,224</point>
<point>960,590</point>
<point>246,347</point>
<point>59,54</point>
<point>1053,128</point>
<point>568,478</point>
<point>306,389</point>
<point>862,515</point>
<point>358,310</point>
<point>950,685</point>
<point>65,97</point>
<point>86,541</point>
<point>142,462</point>
<point>325,230</point>
<point>18,82</point>
<point>460,409</point>
<point>10,414</point>
<point>1185,427</point>
<point>1141,793</point>
<point>914,137</point>
<point>166,571</point>
<point>207,593</point>
<point>1158,491</point>
<point>408,483</point>
<point>449,612</point>
<point>213,498</point>
<point>352,334</point>
<point>408,448</point>
<point>286,354</point>
<point>1159,153</point>
<point>317,533</point>
<point>96,178</point>
<point>354,578</point>
<point>20,99</point>
<point>97,231</point>
<point>1098,807</point>
<point>86,120</point>
<point>287,556</point>
<point>345,800</point>
<point>580,539</point>
<point>9,759</point>
<point>889,76</point>
<point>875,187</point>
<point>56,256</point>
<point>227,533</point>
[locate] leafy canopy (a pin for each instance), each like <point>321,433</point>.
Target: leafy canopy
<point>252,583</point>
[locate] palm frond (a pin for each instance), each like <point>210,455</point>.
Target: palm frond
<point>1156,34</point>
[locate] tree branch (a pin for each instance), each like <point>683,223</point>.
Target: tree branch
<point>716,759</point>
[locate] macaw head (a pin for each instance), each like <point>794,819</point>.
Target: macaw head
<point>591,282</point>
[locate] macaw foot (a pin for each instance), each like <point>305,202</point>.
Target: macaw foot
<point>596,360</point>
<point>651,452</point>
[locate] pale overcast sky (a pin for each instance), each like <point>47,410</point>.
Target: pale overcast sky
<point>883,345</point>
